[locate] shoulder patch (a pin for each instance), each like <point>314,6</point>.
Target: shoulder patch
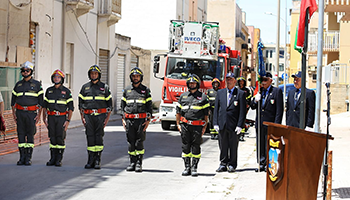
<point>87,88</point>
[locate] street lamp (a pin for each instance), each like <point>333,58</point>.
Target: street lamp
<point>285,52</point>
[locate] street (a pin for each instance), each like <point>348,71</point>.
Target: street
<point>161,177</point>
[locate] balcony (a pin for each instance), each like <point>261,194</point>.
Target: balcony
<point>240,36</point>
<point>330,42</point>
<point>339,6</point>
<point>81,6</point>
<point>110,11</point>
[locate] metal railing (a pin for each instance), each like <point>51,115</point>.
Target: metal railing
<point>330,41</point>
<point>336,73</point>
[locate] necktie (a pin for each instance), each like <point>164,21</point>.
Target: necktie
<point>229,96</point>
<point>296,96</point>
<point>264,96</point>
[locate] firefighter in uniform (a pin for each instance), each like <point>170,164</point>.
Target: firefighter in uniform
<point>58,103</point>
<point>242,85</point>
<point>27,100</point>
<point>211,96</point>
<point>95,105</point>
<point>191,119</point>
<point>136,105</point>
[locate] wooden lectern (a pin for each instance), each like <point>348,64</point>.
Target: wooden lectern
<point>294,161</point>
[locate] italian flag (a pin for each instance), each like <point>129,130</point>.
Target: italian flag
<point>300,34</point>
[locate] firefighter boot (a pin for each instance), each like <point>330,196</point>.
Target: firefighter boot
<point>194,166</point>
<point>22,155</point>
<point>138,167</point>
<point>59,156</point>
<point>98,160</point>
<point>53,153</point>
<point>187,170</point>
<point>91,160</point>
<point>29,152</point>
<point>133,160</point>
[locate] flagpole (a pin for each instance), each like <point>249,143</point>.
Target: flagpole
<point>303,73</point>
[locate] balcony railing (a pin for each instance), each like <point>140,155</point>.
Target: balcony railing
<point>240,35</point>
<point>338,6</point>
<point>81,6</point>
<point>330,41</point>
<point>110,11</point>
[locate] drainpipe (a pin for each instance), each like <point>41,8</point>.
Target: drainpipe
<point>63,33</point>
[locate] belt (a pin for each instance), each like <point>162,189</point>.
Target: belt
<point>27,108</point>
<point>135,116</point>
<point>56,113</point>
<point>93,111</point>
<point>193,122</point>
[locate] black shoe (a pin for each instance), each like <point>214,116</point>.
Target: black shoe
<point>212,137</point>
<point>216,137</point>
<point>231,169</point>
<point>222,168</point>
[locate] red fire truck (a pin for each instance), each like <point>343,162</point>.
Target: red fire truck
<point>194,48</point>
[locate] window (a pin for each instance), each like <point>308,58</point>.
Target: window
<point>179,68</point>
<point>267,66</point>
<point>281,68</point>
<point>314,77</point>
<point>270,68</point>
<point>281,53</point>
<point>248,40</point>
<point>271,54</point>
<point>267,54</point>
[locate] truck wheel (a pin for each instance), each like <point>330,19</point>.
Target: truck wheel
<point>166,125</point>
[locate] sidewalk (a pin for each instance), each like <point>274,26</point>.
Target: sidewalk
<point>248,184</point>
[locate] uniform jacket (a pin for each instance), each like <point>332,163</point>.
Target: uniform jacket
<point>27,93</point>
<point>211,96</point>
<point>193,106</point>
<point>95,96</point>
<point>293,111</point>
<point>233,115</point>
<point>248,94</point>
<point>136,100</point>
<point>272,110</point>
<point>58,99</point>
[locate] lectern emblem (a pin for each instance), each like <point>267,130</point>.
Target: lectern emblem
<point>275,166</point>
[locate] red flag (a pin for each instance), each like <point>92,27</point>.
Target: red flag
<point>305,4</point>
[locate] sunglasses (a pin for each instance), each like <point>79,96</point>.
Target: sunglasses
<point>25,70</point>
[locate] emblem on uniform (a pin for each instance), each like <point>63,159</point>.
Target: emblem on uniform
<point>63,92</point>
<point>50,91</point>
<point>87,88</point>
<point>102,89</point>
<point>272,101</point>
<point>143,91</point>
<point>199,98</point>
<point>211,92</point>
<point>276,154</point>
<point>235,103</point>
<point>128,91</point>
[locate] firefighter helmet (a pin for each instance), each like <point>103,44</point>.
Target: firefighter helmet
<point>59,72</point>
<point>193,78</point>
<point>241,79</point>
<point>215,80</point>
<point>94,68</point>
<point>27,65</point>
<point>136,71</point>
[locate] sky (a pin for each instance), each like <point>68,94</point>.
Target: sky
<point>255,16</point>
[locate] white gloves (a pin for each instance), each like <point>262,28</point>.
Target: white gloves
<point>257,97</point>
<point>238,130</point>
<point>309,129</point>
<point>216,127</point>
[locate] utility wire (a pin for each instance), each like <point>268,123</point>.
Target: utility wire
<point>91,47</point>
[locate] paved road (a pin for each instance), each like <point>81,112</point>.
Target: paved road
<point>161,178</point>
